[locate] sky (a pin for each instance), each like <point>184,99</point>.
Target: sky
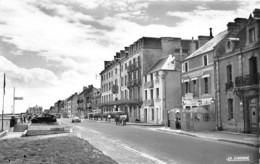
<point>50,49</point>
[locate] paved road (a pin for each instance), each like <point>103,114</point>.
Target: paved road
<point>162,147</point>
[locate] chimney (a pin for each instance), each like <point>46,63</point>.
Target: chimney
<point>210,33</point>
<point>256,13</point>
<point>235,27</point>
<point>202,40</point>
<point>192,46</point>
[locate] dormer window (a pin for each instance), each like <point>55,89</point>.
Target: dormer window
<point>251,33</point>
<point>205,60</point>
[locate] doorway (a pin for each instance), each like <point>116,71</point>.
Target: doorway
<point>145,115</point>
<point>254,115</point>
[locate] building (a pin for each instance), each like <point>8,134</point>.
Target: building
<point>34,110</point>
<point>162,90</point>
<point>237,72</point>
<point>121,79</point>
<point>198,90</point>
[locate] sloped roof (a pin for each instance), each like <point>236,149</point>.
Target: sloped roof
<point>209,45</point>
<point>158,65</point>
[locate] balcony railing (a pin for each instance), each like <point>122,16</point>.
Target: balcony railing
<point>115,89</point>
<point>138,82</point>
<point>148,102</point>
<point>247,80</point>
<point>229,85</point>
<point>148,84</point>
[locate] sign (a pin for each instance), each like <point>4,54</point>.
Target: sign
<point>18,98</point>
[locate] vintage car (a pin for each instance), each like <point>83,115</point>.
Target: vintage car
<point>44,118</point>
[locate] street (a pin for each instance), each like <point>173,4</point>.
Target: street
<point>157,146</point>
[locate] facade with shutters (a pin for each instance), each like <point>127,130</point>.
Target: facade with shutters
<point>238,67</point>
<point>198,89</point>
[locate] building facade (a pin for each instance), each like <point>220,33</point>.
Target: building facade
<point>238,76</point>
<point>198,90</point>
<point>123,91</point>
<point>162,90</point>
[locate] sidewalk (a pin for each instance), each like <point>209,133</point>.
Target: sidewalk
<point>222,136</point>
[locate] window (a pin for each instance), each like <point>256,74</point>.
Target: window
<point>125,80</point>
<point>125,66</point>
<point>205,60</point>
<point>157,92</point>
<point>206,85</point>
<point>229,73</point>
<point>187,89</point>
<point>145,78</point>
<point>194,87</point>
<point>230,109</point>
<point>151,76</point>
<point>115,71</point>
<point>122,81</point>
<point>151,94</point>
<point>152,114</point>
<point>125,94</point>
<point>185,67</point>
<point>145,94</point>
<point>251,35</point>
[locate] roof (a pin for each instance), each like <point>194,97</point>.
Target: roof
<point>209,46</point>
<point>158,65</point>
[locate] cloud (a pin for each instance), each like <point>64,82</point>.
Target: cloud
<point>35,77</point>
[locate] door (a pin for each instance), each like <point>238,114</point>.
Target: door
<point>253,115</point>
<point>145,115</point>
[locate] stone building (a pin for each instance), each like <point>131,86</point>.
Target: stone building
<point>162,90</point>
<point>121,79</point>
<point>198,90</point>
<point>237,72</point>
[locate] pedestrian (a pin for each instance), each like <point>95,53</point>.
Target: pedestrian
<point>21,118</point>
<point>109,117</point>
<point>117,119</point>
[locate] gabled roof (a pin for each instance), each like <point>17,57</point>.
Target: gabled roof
<point>209,46</point>
<point>161,64</point>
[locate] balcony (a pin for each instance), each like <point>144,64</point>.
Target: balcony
<point>129,69</point>
<point>138,82</point>
<point>148,102</point>
<point>148,84</point>
<point>247,80</point>
<point>115,89</point>
<point>229,85</point>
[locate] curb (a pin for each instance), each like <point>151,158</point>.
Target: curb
<point>2,134</point>
<point>237,142</point>
<point>220,140</point>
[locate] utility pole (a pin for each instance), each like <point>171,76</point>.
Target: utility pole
<point>14,102</point>
<point>3,104</point>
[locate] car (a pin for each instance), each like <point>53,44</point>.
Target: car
<point>75,119</point>
<point>44,118</point>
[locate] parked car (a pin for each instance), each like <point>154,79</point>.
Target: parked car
<point>44,118</point>
<point>76,119</point>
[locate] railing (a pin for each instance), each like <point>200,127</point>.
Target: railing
<point>115,89</point>
<point>229,85</point>
<point>247,80</point>
<point>148,102</point>
<point>148,84</point>
<point>138,82</point>
<point>129,84</point>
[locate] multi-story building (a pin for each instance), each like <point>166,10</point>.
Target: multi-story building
<point>96,101</point>
<point>237,72</point>
<point>162,89</point>
<point>123,91</point>
<point>34,110</point>
<point>198,90</point>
